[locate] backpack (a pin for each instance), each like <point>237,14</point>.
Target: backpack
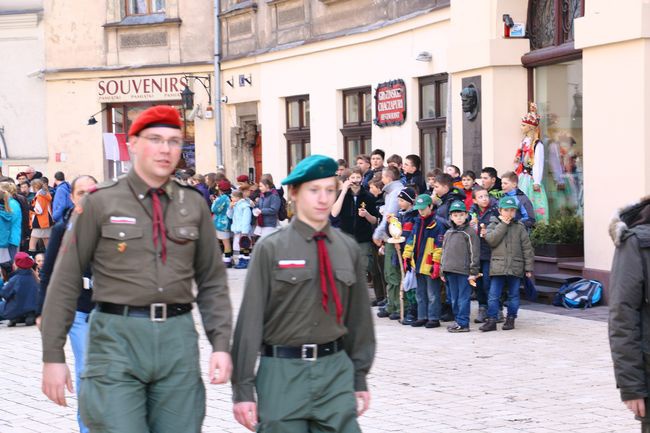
<point>282,212</point>
<point>579,293</point>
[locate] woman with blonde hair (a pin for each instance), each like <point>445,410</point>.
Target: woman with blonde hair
<point>11,216</point>
<point>40,216</point>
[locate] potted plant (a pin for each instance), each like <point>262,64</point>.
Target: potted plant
<point>562,237</point>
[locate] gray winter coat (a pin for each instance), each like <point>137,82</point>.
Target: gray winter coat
<point>629,308</point>
<point>461,251</point>
<point>269,204</point>
<point>512,252</point>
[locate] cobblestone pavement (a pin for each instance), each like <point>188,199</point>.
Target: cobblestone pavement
<point>552,374</point>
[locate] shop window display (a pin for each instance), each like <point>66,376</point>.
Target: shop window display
<point>558,92</point>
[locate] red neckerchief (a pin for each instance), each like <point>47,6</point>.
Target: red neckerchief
<point>159,230</point>
<point>326,276</point>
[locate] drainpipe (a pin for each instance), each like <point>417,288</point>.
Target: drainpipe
<point>217,81</point>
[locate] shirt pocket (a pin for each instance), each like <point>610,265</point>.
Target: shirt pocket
<point>183,234</point>
<point>121,245</point>
<point>346,277</point>
<point>287,285</point>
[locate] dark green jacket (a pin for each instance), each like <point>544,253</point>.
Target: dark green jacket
<point>512,252</point>
<point>629,309</point>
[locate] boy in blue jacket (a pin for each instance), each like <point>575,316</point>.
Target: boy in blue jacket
<point>241,214</point>
<point>485,207</point>
<point>20,293</point>
<point>423,253</point>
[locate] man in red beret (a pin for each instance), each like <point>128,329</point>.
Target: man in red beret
<point>147,238</point>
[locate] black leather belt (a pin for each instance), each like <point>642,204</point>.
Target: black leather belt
<point>154,312</point>
<point>308,352</point>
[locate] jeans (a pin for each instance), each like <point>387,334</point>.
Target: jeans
<point>460,293</point>
<point>78,340</point>
<point>483,286</point>
<point>428,297</point>
<point>497,284</point>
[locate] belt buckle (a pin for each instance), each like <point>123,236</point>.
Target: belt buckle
<point>314,351</point>
<point>153,312</point>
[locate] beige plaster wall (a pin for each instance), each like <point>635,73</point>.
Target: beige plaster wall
<point>22,90</point>
<point>324,69</point>
<point>616,116</point>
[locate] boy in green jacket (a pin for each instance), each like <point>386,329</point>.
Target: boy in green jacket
<point>512,258</point>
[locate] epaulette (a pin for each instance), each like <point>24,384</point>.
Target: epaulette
<point>104,185</point>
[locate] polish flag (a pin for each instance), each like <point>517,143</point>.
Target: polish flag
<point>115,148</point>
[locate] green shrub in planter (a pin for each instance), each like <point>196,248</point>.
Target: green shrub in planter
<point>567,228</point>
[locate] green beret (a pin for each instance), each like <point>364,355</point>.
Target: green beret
<point>312,168</point>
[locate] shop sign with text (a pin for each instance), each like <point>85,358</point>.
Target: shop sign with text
<point>390,103</point>
<point>142,88</point>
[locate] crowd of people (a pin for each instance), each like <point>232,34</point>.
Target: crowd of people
<point>460,234</point>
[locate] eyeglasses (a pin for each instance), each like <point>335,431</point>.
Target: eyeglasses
<point>157,140</point>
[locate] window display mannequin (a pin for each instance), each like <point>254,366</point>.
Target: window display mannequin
<point>529,164</point>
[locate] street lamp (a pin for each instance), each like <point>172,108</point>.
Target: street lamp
<point>92,120</point>
<point>187,96</point>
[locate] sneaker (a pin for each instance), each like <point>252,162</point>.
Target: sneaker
<point>455,328</point>
<point>432,324</point>
<point>408,321</point>
<point>394,316</point>
<point>383,313</point>
<point>418,323</point>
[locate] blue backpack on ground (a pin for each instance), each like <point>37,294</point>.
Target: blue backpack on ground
<point>579,293</point>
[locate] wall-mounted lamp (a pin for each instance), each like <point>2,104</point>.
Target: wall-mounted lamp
<point>92,120</point>
<point>424,56</point>
<point>187,96</point>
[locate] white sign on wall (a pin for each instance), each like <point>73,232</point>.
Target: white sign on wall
<point>143,88</point>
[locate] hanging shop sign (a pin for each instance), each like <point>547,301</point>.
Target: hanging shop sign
<point>390,103</point>
<point>142,88</point>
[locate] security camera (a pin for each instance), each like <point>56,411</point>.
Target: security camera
<point>224,99</point>
<point>508,20</point>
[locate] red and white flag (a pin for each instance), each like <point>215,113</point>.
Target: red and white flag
<point>115,148</point>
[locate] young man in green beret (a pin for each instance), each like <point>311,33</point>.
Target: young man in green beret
<point>148,239</point>
<point>306,306</point>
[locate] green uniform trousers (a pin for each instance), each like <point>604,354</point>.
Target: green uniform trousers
<point>299,396</point>
<point>142,376</point>
<point>393,279</point>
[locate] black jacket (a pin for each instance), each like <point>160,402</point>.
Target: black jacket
<point>446,200</point>
<point>418,180</point>
<point>349,220</point>
<point>84,303</point>
<point>629,306</point>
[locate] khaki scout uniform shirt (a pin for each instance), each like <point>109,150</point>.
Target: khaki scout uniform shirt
<point>282,305</point>
<point>114,232</point>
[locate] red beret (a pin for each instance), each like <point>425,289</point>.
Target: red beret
<point>23,261</point>
<point>158,115</point>
<point>242,178</point>
<point>224,185</point>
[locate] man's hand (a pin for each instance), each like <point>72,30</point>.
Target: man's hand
<point>537,188</point>
<point>483,231</point>
<point>345,186</point>
<point>39,319</point>
<point>529,275</point>
<point>220,361</point>
<point>246,414</point>
<point>377,242</point>
<point>56,377</point>
<point>363,212</point>
<point>363,401</point>
<point>637,407</point>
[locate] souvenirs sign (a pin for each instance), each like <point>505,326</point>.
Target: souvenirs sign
<point>390,103</point>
